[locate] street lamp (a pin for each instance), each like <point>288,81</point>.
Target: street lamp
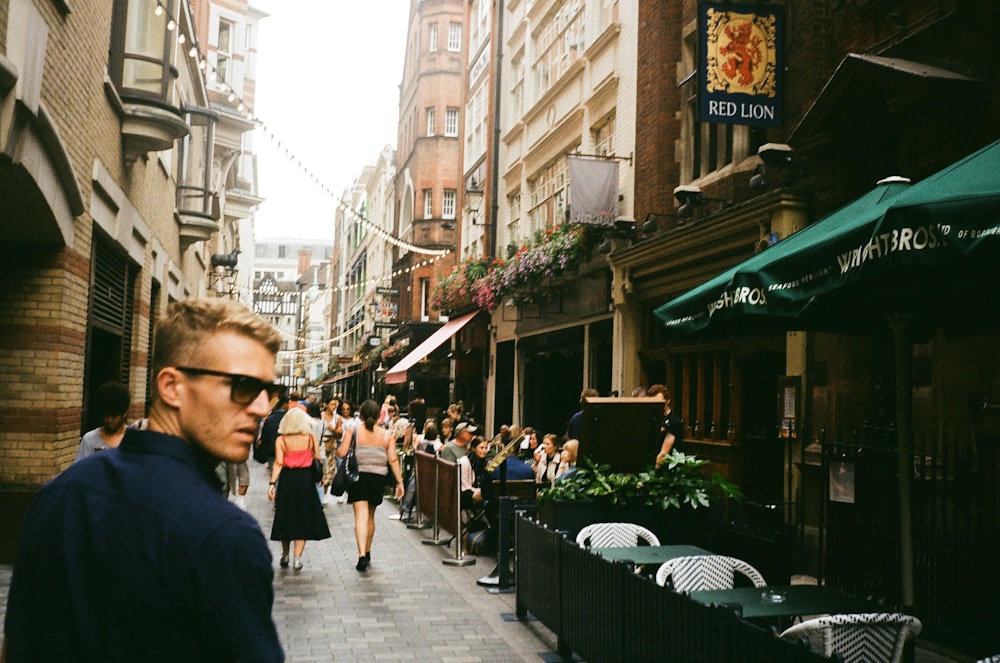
<point>474,198</point>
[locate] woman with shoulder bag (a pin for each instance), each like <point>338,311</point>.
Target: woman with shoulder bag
<point>298,514</point>
<point>376,455</point>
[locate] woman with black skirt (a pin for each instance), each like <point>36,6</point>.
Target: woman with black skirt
<point>298,513</point>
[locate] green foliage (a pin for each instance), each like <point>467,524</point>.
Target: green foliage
<point>677,482</point>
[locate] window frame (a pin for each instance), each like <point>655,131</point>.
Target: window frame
<point>119,57</point>
<point>428,203</point>
<point>454,37</point>
<point>449,202</point>
<point>451,116</point>
<point>433,37</point>
<point>431,116</point>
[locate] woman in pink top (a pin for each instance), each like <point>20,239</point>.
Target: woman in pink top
<point>298,513</point>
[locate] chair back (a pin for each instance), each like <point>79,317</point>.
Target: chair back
<point>698,572</point>
<point>873,637</point>
<point>614,535</point>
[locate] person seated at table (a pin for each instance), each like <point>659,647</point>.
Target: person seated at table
<point>472,470</point>
<point>568,466</point>
<point>528,445</point>
<point>548,461</point>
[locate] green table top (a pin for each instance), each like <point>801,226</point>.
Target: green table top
<point>798,600</point>
<point>643,555</point>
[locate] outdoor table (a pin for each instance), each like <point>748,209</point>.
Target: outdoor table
<point>648,555</point>
<point>798,600</point>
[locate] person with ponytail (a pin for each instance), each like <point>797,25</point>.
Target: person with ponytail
<point>376,455</point>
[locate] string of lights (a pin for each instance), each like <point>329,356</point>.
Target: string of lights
<point>212,75</point>
<point>365,284</point>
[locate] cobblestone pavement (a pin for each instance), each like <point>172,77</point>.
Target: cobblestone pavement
<point>408,606</point>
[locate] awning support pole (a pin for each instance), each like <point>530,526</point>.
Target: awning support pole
<point>904,410</point>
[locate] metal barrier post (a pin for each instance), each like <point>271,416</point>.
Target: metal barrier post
<point>460,558</point>
<point>436,539</point>
<point>420,523</point>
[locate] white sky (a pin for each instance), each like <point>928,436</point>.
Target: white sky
<point>328,74</point>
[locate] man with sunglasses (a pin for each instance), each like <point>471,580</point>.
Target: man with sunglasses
<point>134,554</point>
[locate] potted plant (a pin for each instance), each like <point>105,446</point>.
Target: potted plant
<point>672,500</point>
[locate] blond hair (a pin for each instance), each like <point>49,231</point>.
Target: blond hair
<point>296,422</point>
<point>183,329</point>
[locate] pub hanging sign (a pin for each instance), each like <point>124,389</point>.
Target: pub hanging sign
<point>741,65</point>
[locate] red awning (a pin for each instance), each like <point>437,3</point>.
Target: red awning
<point>397,375</point>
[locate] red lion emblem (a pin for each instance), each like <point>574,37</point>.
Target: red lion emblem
<point>743,50</point>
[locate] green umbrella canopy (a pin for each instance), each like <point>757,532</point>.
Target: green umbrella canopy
<point>924,251</point>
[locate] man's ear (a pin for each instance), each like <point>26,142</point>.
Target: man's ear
<point>169,386</point>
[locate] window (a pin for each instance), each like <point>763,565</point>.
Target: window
<point>433,36</point>
<point>558,44</point>
<point>430,121</point>
<point>224,53</point>
<point>140,51</point>
<point>604,138</point>
<point>425,297</point>
<point>709,146</point>
<point>428,204</point>
<point>451,122</point>
<point>547,195</point>
<point>448,204</point>
<point>454,36</point>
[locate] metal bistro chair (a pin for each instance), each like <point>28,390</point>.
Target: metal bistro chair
<point>697,572</point>
<point>873,637</point>
<point>614,535</point>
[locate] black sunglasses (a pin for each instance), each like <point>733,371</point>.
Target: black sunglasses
<point>243,390</point>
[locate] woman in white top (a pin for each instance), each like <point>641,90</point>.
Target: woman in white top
<point>548,460</point>
<point>376,455</point>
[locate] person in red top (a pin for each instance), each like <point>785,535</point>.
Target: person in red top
<point>298,513</point>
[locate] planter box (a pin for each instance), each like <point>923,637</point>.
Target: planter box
<point>671,526</point>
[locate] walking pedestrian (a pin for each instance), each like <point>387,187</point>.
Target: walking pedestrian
<point>135,553</point>
<point>298,513</point>
<point>376,454</point>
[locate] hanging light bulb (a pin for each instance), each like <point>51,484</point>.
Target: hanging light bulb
<point>181,38</point>
<point>171,24</point>
<point>202,64</point>
<point>232,97</point>
<point>193,53</point>
<point>240,107</point>
<point>159,9</point>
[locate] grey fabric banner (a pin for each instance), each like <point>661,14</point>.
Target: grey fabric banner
<point>593,191</point>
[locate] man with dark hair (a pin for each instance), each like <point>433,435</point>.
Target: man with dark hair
<point>576,421</point>
<point>264,453</point>
<point>672,427</point>
<point>110,404</point>
<point>134,554</point>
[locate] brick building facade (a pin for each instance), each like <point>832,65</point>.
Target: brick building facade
<point>98,141</point>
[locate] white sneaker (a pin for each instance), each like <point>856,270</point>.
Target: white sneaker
<point>241,502</point>
<point>297,563</point>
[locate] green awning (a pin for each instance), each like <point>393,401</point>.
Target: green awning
<point>923,250</point>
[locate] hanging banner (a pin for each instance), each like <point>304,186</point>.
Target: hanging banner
<point>593,191</point>
<point>741,65</point>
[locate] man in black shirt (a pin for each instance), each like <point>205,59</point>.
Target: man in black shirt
<point>672,427</point>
